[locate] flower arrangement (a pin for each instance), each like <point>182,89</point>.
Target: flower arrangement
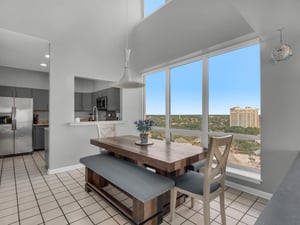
<point>144,125</point>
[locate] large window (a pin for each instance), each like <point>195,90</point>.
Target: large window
<point>174,102</point>
<point>229,86</point>
<point>152,5</point>
<point>186,102</point>
<point>234,102</point>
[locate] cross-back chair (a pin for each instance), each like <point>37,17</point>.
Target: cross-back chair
<point>105,130</point>
<point>209,185</point>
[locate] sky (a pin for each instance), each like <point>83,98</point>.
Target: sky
<point>234,80</point>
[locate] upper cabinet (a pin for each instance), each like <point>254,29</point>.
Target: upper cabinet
<point>83,102</point>
<point>6,91</point>
<point>113,99</point>
<point>40,99</point>
<point>23,92</point>
<point>87,102</point>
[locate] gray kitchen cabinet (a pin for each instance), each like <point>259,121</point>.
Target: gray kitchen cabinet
<point>38,137</point>
<point>86,102</point>
<point>6,91</point>
<point>78,102</point>
<point>40,99</point>
<point>113,99</point>
<point>23,92</point>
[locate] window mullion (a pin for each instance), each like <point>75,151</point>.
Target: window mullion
<point>168,106</point>
<point>205,102</point>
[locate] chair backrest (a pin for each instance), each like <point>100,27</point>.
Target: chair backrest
<point>216,161</point>
<point>106,130</point>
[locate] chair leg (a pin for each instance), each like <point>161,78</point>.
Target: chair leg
<point>192,202</point>
<point>206,212</point>
<point>222,208</point>
<point>173,198</point>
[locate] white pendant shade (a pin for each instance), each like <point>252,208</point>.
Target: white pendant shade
<point>126,81</point>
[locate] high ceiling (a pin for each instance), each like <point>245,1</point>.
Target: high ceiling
<point>23,51</point>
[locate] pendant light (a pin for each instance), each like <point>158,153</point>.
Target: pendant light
<point>282,52</point>
<point>126,81</point>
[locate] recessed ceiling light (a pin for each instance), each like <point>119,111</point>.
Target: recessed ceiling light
<point>47,56</point>
<point>43,64</point>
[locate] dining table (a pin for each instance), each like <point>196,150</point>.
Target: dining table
<point>168,159</point>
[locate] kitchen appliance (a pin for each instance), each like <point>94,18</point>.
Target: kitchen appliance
<point>15,125</point>
<point>102,103</point>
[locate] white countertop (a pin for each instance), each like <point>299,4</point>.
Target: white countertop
<point>93,123</point>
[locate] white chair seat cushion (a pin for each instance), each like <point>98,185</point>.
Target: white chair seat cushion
<point>193,182</point>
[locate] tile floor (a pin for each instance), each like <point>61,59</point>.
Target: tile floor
<point>28,195</point>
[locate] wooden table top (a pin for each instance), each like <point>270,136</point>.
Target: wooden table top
<point>161,155</point>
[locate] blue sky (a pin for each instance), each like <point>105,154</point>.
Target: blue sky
<point>234,80</point>
<point>151,5</point>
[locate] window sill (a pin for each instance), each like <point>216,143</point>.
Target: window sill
<point>245,175</point>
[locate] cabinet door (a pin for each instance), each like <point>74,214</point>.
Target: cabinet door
<point>38,138</point>
<point>6,91</point>
<point>87,102</point>
<point>117,99</point>
<point>40,99</point>
<point>23,92</point>
<point>78,101</point>
<point>111,103</point>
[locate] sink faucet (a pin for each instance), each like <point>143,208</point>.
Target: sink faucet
<point>93,116</point>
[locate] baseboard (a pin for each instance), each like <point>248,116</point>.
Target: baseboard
<point>249,190</point>
<point>64,169</point>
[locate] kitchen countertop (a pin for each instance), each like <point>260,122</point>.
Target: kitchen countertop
<point>283,208</point>
<point>93,123</point>
<point>40,125</point>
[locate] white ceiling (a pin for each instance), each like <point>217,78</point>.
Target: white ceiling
<point>23,51</point>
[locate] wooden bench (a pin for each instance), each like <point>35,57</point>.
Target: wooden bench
<point>143,186</point>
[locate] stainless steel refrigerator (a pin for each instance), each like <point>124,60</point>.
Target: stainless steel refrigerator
<point>16,116</point>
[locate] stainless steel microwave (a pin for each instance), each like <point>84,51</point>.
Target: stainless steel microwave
<point>102,103</point>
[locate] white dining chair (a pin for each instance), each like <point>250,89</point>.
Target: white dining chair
<point>105,130</point>
<point>209,185</point>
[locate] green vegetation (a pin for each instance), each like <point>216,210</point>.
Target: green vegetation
<point>245,147</point>
<point>194,122</point>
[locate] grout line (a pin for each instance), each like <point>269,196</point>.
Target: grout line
<point>98,202</point>
<point>36,199</point>
<point>16,190</point>
<point>59,206</point>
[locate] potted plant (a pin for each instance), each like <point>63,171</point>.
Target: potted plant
<point>144,126</point>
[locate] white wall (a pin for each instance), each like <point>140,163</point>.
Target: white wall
<point>23,78</point>
<point>87,39</point>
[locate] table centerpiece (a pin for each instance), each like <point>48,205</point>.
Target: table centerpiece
<point>144,126</point>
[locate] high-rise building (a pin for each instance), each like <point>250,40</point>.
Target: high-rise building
<point>244,117</point>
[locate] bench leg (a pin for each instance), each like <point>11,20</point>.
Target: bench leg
<point>143,211</point>
<point>95,179</point>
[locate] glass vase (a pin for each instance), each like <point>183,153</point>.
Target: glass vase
<point>144,138</point>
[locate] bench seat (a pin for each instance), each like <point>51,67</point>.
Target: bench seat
<point>145,187</point>
<point>139,182</point>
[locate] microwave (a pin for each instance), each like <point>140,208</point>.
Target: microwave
<point>102,103</point>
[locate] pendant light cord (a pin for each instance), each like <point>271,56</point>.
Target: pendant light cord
<point>127,33</point>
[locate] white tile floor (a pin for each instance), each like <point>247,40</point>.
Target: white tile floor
<point>28,195</point>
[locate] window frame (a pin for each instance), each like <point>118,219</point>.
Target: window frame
<point>205,92</point>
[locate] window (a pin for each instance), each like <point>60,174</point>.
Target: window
<point>234,102</point>
<point>186,103</point>
<point>174,102</point>
<point>156,103</point>
<point>229,86</point>
<point>152,5</point>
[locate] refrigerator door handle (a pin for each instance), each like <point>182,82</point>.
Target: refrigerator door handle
<point>13,112</point>
<point>13,124</point>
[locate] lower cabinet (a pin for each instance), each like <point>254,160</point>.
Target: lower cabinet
<point>38,137</point>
